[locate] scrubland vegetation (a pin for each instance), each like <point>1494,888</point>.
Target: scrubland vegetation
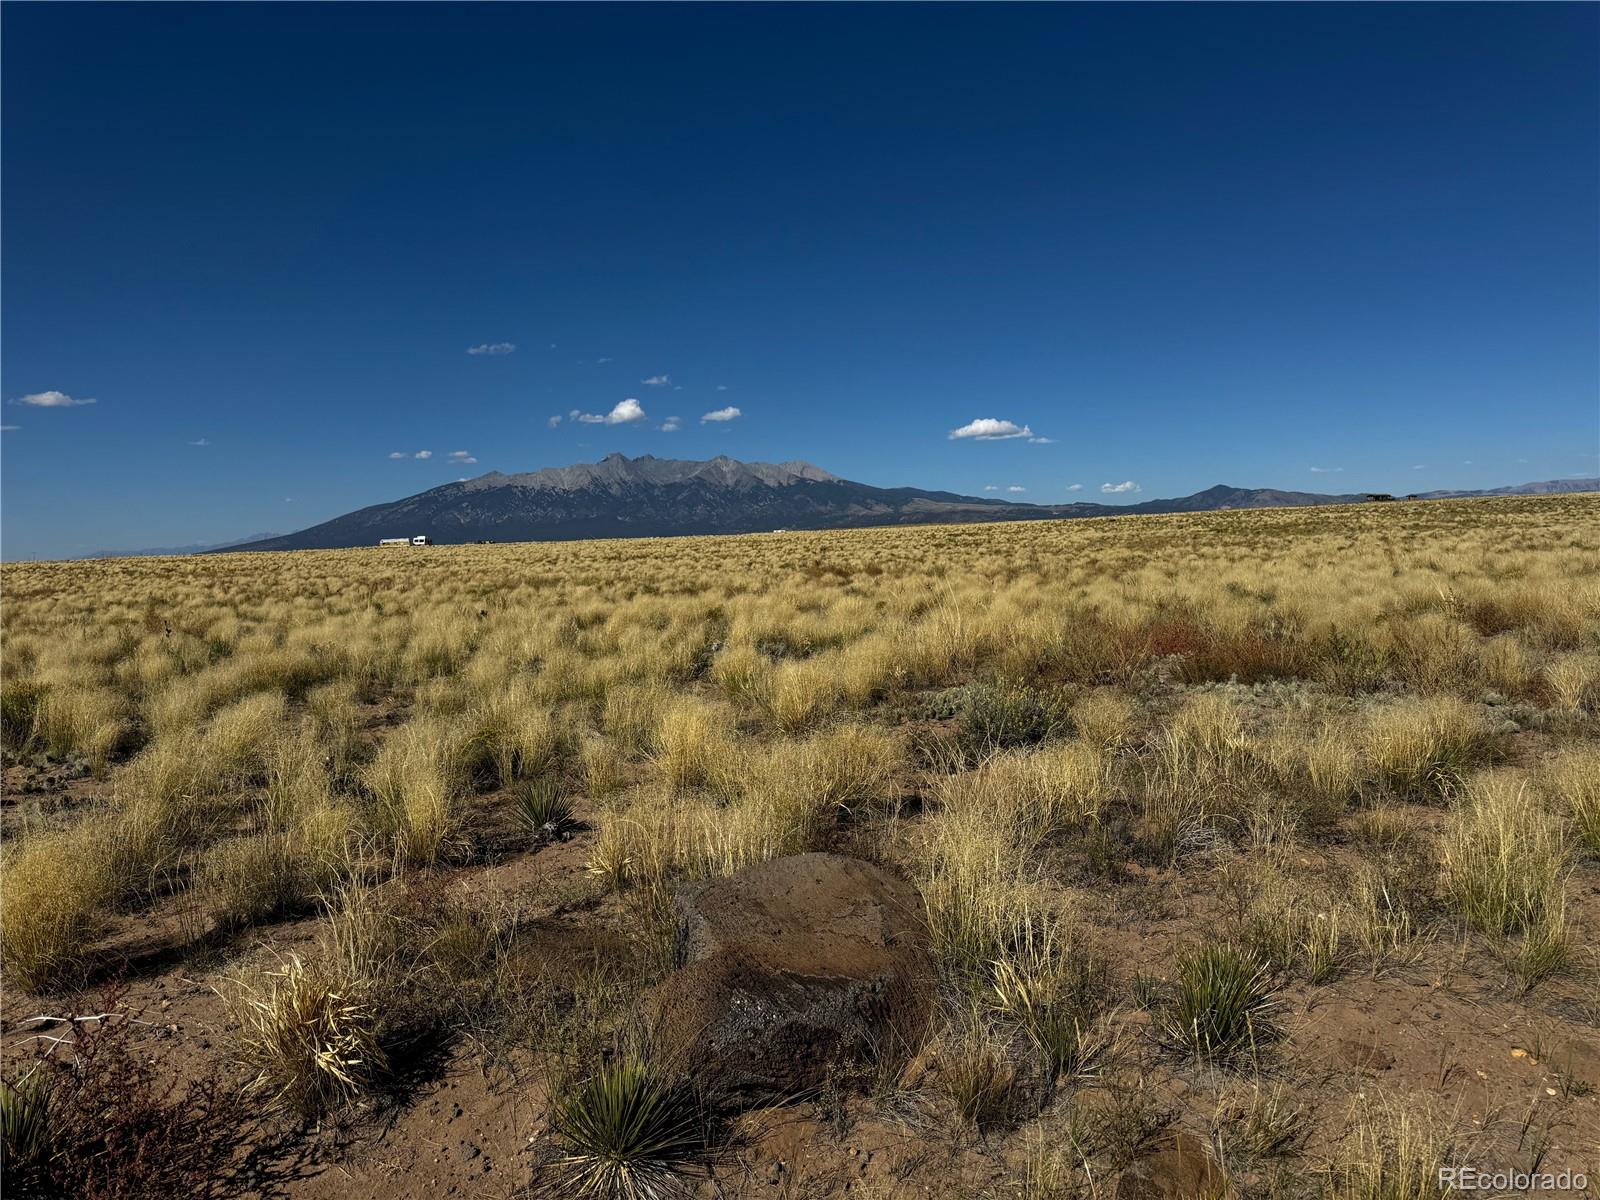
<point>1269,840</point>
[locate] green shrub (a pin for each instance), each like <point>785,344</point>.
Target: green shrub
<point>997,715</point>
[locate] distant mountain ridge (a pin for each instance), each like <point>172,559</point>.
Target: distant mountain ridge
<point>648,496</point>
<point>194,548</point>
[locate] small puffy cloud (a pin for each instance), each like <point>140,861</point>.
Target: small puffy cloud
<point>990,429</point>
<point>991,487</point>
<point>722,414</point>
<point>1074,487</point>
<point>657,381</point>
<point>1127,485</point>
<point>398,454</point>
<point>52,400</point>
<point>492,348</point>
<point>462,456</point>
<point>1016,488</point>
<point>672,425</point>
<point>1041,441</point>
<point>552,422</point>
<point>423,454</point>
<point>603,361</point>
<point>1326,470</point>
<point>625,413</point>
<point>201,442</point>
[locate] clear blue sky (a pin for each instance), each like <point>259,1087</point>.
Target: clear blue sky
<point>1187,244</point>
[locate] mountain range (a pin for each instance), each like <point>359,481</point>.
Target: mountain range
<point>648,496</point>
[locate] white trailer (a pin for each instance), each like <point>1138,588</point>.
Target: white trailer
<point>394,542</point>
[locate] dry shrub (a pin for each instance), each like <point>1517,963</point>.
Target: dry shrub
<point>112,1128</point>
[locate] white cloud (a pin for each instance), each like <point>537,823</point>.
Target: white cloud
<point>991,487</point>
<point>52,400</point>
<point>990,429</point>
<point>1016,488</point>
<point>398,454</point>
<point>1127,485</point>
<point>625,413</point>
<point>672,425</point>
<point>1041,441</point>
<point>722,414</point>
<point>603,361</point>
<point>1466,462</point>
<point>423,454</point>
<point>462,456</point>
<point>9,428</point>
<point>1326,470</point>
<point>1419,466</point>
<point>1074,487</point>
<point>657,381</point>
<point>552,422</point>
<point>492,348</point>
<point>201,442</point>
<point>722,387</point>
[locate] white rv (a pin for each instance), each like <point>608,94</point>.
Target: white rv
<point>421,539</point>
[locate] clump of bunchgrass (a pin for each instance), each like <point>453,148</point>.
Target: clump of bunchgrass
<point>1504,860</point>
<point>1427,747</point>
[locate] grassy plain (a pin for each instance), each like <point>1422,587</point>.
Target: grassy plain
<point>1260,850</point>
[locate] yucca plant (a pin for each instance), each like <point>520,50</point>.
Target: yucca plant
<point>1222,1006</point>
<point>24,1121</point>
<point>542,808</point>
<point>627,1134</point>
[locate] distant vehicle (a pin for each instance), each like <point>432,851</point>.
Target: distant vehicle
<point>421,539</point>
<point>1379,496</point>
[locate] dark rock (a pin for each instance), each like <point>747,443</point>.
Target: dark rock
<point>789,969</point>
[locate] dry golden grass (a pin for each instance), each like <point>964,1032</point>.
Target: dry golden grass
<point>1340,739</point>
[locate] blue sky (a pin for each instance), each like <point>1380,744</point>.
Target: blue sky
<point>1316,247</point>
